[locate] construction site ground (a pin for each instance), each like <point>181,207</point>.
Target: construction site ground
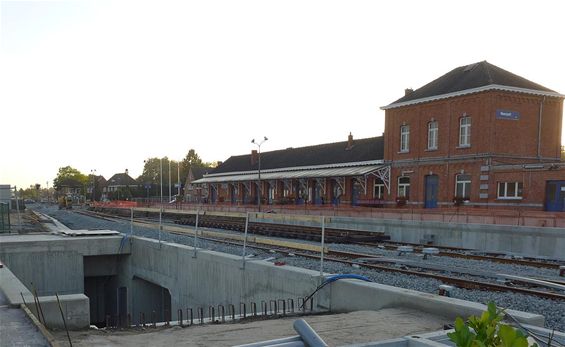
<point>335,329</point>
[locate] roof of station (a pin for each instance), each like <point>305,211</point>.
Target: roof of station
<point>472,78</point>
<point>367,149</point>
<point>121,179</point>
<point>325,160</point>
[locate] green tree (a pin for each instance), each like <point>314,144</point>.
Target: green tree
<point>68,176</point>
<point>152,171</point>
<point>192,159</point>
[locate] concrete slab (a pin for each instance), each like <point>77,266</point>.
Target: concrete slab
<point>75,306</point>
<point>16,329</point>
<point>335,329</point>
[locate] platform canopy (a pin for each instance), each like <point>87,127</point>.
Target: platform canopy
<point>335,170</point>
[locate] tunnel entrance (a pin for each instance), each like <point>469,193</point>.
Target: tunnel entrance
<point>101,292</point>
<point>101,287</point>
<point>151,301</point>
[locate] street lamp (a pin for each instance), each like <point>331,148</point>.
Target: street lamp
<point>93,173</point>
<point>259,170</point>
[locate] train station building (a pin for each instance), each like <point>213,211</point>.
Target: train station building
<point>477,136</point>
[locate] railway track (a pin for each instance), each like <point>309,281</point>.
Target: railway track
<point>351,258</point>
<point>363,238</point>
<point>463,253</point>
<point>282,230</point>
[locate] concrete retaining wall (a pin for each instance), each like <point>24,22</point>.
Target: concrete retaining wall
<point>53,263</point>
<point>75,306</point>
<point>519,240</point>
<point>213,278</point>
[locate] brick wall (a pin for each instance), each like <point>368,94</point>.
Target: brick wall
<point>494,141</point>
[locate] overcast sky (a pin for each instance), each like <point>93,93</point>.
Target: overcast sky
<point>106,84</point>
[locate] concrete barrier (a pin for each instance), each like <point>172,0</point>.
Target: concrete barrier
<point>528,241</point>
<point>351,295</point>
<point>75,306</point>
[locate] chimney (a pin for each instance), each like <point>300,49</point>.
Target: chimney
<point>349,141</point>
<point>127,171</point>
<point>408,91</point>
<point>254,157</point>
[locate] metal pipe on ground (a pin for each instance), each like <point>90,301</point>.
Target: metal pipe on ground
<point>293,341</point>
<point>308,335</point>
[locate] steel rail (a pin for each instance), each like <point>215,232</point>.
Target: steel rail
<point>454,254</point>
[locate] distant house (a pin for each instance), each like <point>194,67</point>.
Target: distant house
<point>192,192</point>
<point>120,183</point>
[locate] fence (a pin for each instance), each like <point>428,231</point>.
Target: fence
<point>4,218</point>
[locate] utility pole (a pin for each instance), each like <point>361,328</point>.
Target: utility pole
<point>178,178</point>
<point>258,144</point>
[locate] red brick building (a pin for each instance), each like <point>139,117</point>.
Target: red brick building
<point>478,135</point>
<point>333,173</point>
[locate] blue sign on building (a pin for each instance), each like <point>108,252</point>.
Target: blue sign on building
<point>505,114</point>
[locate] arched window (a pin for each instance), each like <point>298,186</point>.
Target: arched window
<point>404,187</point>
<point>432,135</point>
<point>404,138</point>
<point>465,131</point>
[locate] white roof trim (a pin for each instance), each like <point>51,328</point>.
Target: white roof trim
<point>358,170</point>
<point>473,90</point>
<point>296,168</point>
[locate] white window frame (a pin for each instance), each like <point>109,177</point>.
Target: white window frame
<point>466,183</point>
<point>518,190</point>
<point>379,189</point>
<point>404,138</point>
<point>432,135</point>
<point>465,131</point>
<point>403,188</point>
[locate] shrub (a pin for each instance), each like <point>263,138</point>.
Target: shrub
<point>487,331</point>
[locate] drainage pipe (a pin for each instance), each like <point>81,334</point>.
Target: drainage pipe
<point>308,335</point>
<point>294,341</point>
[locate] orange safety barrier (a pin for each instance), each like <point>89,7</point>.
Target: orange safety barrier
<point>115,203</point>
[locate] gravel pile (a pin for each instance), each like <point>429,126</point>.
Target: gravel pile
<point>554,311</point>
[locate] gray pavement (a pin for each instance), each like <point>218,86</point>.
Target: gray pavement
<point>16,329</point>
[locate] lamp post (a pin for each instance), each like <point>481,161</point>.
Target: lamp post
<point>178,178</point>
<point>161,203</point>
<point>259,169</point>
<point>93,173</point>
<point>169,180</point>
